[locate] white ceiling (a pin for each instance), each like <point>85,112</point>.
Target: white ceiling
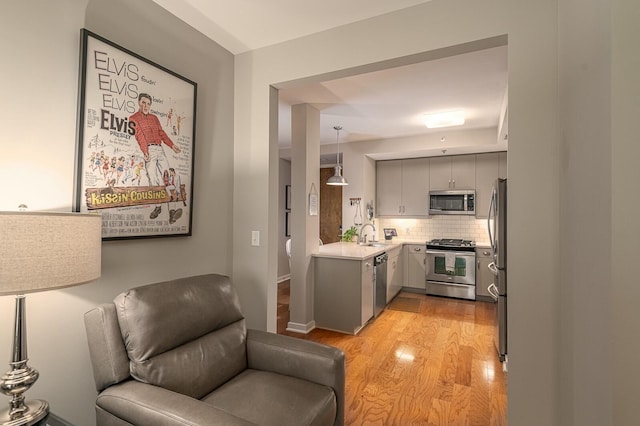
<point>378,105</point>
<point>243,25</point>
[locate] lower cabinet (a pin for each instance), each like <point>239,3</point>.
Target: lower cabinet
<point>394,273</point>
<point>484,277</point>
<point>415,267</point>
<point>343,294</point>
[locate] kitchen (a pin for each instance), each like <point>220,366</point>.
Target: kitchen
<point>374,168</point>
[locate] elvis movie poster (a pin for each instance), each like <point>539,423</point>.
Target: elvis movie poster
<point>136,136</point>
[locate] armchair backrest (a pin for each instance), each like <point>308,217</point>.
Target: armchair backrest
<point>187,335</point>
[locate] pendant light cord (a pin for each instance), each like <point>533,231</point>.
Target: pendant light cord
<point>337,129</point>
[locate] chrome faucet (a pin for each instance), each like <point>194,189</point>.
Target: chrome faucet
<point>373,228</point>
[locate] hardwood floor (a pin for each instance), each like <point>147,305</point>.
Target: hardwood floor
<point>434,367</point>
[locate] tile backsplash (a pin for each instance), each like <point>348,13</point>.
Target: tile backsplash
<point>440,226</point>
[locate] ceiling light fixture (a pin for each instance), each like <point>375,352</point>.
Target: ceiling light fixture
<point>337,179</point>
<point>444,119</point>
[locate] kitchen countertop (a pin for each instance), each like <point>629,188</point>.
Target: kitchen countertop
<point>354,251</point>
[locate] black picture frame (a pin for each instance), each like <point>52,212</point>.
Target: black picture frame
<point>287,197</point>
<point>135,143</point>
<point>287,224</point>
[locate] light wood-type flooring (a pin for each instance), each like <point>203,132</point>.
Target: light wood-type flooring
<point>435,367</point>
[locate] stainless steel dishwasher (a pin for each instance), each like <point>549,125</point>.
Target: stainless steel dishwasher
<point>380,281</point>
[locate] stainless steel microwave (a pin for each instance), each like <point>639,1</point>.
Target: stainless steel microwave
<point>454,201</point>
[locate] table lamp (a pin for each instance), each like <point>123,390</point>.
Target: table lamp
<point>40,251</point>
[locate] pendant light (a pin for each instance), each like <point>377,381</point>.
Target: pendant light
<point>337,178</point>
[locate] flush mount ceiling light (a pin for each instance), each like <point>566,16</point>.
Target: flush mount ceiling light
<point>444,119</point>
<point>337,178</point>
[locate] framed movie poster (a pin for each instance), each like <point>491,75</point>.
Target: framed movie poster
<point>136,137</point>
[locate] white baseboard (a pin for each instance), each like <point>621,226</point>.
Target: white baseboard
<point>295,327</point>
<point>283,278</point>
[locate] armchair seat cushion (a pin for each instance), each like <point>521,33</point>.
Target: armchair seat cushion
<point>271,399</point>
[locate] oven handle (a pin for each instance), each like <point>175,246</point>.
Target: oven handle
<point>493,291</point>
<point>457,253</point>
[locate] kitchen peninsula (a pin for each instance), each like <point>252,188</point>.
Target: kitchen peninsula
<point>344,284</point>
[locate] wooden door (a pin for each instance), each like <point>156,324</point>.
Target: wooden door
<point>330,208</point>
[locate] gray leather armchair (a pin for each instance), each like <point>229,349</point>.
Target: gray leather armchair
<point>179,353</point>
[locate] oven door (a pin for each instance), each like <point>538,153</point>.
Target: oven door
<point>451,267</point>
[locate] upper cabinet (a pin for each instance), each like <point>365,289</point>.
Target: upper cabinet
<point>487,171</point>
<point>455,172</point>
<point>502,164</point>
<point>402,187</point>
<point>489,167</point>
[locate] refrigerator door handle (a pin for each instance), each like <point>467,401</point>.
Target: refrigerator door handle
<point>492,267</point>
<point>491,209</point>
<point>493,291</point>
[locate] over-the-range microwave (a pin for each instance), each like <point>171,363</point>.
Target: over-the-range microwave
<point>453,201</point>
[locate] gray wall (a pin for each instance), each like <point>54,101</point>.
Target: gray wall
<point>571,310</point>
<point>39,42</point>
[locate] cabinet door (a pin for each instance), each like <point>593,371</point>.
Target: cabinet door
<point>388,187</point>
<point>366,303</point>
<point>486,175</point>
<point>502,166</point>
<point>463,172</point>
<point>394,274</point>
<point>439,173</point>
<point>416,272</point>
<point>484,277</point>
<point>415,186</point>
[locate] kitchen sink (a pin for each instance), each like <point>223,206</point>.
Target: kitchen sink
<point>373,244</point>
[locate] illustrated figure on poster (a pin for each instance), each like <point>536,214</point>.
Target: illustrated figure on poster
<point>120,167</point>
<point>150,137</point>
<point>174,188</point>
<point>129,166</point>
<point>105,166</point>
<point>179,121</point>
<point>138,171</point>
<point>170,118</point>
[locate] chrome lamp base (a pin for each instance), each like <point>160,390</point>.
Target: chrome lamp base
<point>36,411</point>
<point>20,378</point>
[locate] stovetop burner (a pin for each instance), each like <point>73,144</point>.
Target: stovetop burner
<point>450,243</point>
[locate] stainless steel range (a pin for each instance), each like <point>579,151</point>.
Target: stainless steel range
<point>451,268</point>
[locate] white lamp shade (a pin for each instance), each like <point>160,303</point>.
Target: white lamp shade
<point>44,251</point>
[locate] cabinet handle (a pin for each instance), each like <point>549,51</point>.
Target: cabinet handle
<point>417,249</point>
<point>454,183</point>
<point>478,265</point>
<point>486,253</point>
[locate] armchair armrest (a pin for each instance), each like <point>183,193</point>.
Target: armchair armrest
<point>299,358</point>
<point>140,403</point>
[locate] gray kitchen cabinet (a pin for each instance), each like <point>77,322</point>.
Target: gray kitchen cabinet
<point>452,172</point>
<point>402,187</point>
<point>343,293</point>
<point>394,272</point>
<point>415,267</point>
<point>502,164</point>
<point>489,167</point>
<point>487,171</point>
<point>484,277</point>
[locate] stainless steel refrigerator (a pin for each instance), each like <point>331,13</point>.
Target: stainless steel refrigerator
<point>497,226</point>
